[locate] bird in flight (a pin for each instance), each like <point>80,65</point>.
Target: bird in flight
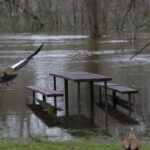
<point>9,74</point>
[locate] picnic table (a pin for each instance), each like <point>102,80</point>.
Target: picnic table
<point>81,76</point>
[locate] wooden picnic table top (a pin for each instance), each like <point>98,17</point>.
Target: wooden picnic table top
<point>81,76</point>
<point>101,84</point>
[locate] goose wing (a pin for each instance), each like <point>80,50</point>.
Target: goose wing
<point>2,74</point>
<point>22,63</point>
<point>134,144</point>
<point>126,144</point>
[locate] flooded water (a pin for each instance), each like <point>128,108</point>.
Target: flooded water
<point>107,56</point>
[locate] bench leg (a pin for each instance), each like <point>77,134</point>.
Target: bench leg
<point>55,104</point>
<point>106,105</point>
<point>100,94</point>
<point>92,102</point>
<point>130,105</point>
<point>78,91</point>
<point>66,97</point>
<point>114,100</point>
<point>33,97</point>
<point>44,98</point>
<point>55,100</point>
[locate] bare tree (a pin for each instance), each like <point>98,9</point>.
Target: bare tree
<point>94,17</point>
<point>92,8</point>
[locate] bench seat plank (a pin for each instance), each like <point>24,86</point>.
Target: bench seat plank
<point>123,89</point>
<point>118,88</point>
<point>44,91</point>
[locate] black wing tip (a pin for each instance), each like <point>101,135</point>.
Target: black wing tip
<point>40,47</point>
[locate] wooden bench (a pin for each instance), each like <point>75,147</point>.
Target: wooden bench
<point>45,93</point>
<point>117,88</point>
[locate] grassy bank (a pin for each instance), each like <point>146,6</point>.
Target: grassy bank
<point>43,144</point>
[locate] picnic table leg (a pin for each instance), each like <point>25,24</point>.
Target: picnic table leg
<point>79,106</point>
<point>92,102</point>
<point>100,94</point>
<point>55,102</point>
<point>66,97</point>
<point>106,105</point>
<point>44,98</point>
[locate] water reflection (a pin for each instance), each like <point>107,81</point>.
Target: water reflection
<point>64,53</point>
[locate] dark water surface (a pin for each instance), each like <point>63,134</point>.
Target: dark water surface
<point>71,53</point>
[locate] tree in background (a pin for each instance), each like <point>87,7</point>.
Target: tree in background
<point>94,17</point>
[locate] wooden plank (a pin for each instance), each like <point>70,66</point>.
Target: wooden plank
<point>81,76</point>
<point>123,89</point>
<point>118,88</point>
<point>44,91</point>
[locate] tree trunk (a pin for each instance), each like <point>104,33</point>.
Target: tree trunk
<point>92,7</point>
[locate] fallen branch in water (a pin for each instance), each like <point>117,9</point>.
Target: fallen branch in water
<point>141,51</point>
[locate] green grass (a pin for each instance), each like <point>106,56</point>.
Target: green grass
<point>44,144</point>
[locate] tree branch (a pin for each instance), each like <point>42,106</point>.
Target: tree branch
<point>139,51</point>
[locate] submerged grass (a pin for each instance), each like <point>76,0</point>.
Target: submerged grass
<point>37,143</point>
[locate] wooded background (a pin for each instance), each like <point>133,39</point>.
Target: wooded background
<point>94,17</point>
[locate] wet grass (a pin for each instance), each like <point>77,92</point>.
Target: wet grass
<point>39,143</point>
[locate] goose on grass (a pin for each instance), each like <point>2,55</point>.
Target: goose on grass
<point>131,143</point>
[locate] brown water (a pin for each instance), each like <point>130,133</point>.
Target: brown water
<point>107,56</point>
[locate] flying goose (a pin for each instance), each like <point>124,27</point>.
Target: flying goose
<point>9,74</point>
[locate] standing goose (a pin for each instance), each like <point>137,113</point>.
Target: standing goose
<point>131,143</point>
<point>9,74</point>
